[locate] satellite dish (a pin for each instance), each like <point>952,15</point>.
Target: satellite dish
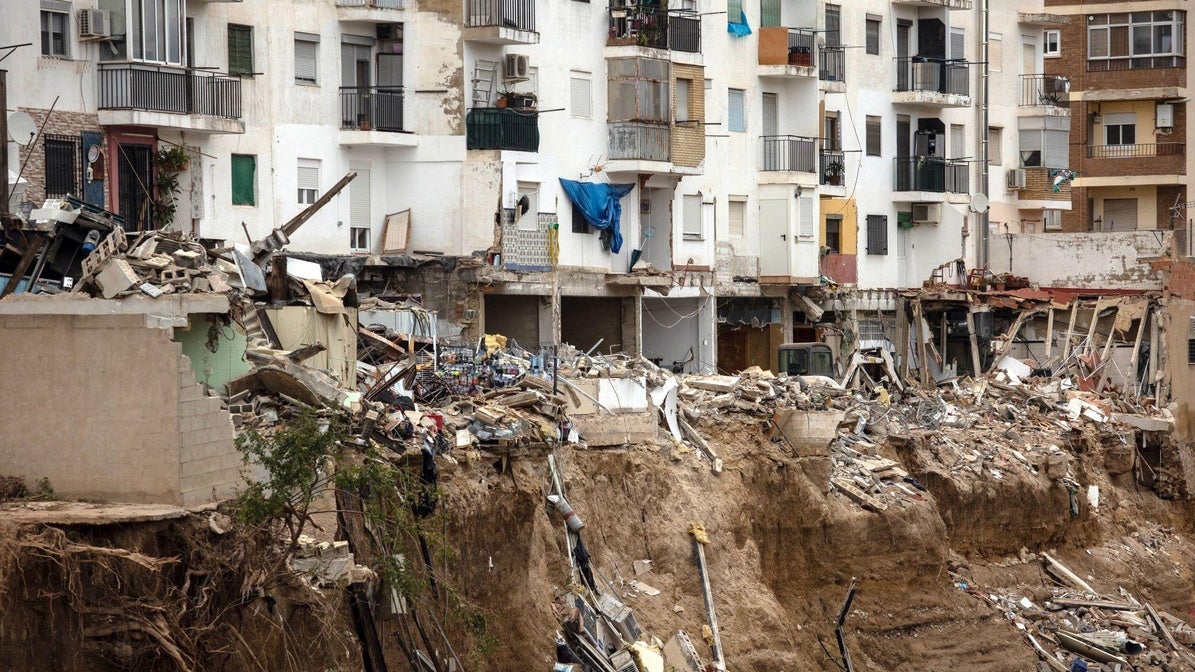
<point>21,128</point>
<point>979,203</point>
<point>93,154</point>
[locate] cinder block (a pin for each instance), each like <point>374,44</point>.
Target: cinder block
<point>116,277</point>
<point>187,258</point>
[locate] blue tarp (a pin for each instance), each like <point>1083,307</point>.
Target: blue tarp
<point>739,28</point>
<point>599,203</point>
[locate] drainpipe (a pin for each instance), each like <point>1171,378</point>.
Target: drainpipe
<point>982,240</point>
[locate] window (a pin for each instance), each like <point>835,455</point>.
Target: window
<point>1044,141</point>
<point>833,26</point>
<point>834,234</point>
<point>1190,351</point>
<point>683,86</point>
<point>734,11</point>
<point>877,234</point>
<point>639,89</point>
<point>306,58</point>
<point>769,13</point>
<point>1139,35</point>
<point>581,95</point>
<point>873,136</point>
<point>1120,129</point>
<point>995,155</point>
<point>240,49</point>
<point>691,214</point>
<point>958,43</point>
<point>579,223</point>
<point>528,221</point>
<point>53,33</point>
<point>308,181</point>
<point>155,30</point>
<point>1053,46</point>
<point>358,238</point>
<point>1051,220</point>
<point>873,34</point>
<point>736,116</point>
<point>62,165</point>
<point>244,179</point>
<point>996,52</point>
<point>738,216</point>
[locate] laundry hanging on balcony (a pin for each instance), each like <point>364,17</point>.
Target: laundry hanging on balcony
<point>737,25</point>
<point>599,204</point>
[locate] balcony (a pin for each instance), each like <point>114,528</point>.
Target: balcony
<point>948,4</point>
<point>1104,165</point>
<point>373,115</point>
<point>831,167</point>
<point>502,128</point>
<point>655,28</point>
<point>935,82</point>
<point>787,52</point>
<point>1047,95</point>
<point>931,175</point>
<point>641,147</point>
<point>792,153</point>
<point>368,11</point>
<point>501,21</point>
<point>177,98</point>
<point>1034,186</point>
<point>832,68</point>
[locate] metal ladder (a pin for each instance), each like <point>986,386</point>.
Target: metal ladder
<point>484,74</point>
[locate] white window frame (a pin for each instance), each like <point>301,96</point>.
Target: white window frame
<point>1119,121</point>
<point>691,228</point>
<point>1052,46</point>
<point>1051,220</point>
<point>138,38</point>
<point>1100,34</point>
<point>577,81</point>
<point>47,49</point>
<point>741,96</point>
<point>307,195</point>
<point>355,235</point>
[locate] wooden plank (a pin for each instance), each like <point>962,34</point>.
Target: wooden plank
<point>923,363</point>
<point>1050,333</point>
<point>1058,569</point>
<point>1162,628</point>
<point>1137,350</point>
<point>387,346</point>
<point>1101,604</point>
<point>1070,331</point>
<point>1047,656</point>
<point>35,245</point>
<point>707,594</point>
<point>1009,337</point>
<point>1105,365</point>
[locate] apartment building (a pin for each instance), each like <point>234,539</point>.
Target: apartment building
<point>750,156</point>
<point>1127,67</point>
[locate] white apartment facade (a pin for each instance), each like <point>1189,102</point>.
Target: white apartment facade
<point>745,150</point>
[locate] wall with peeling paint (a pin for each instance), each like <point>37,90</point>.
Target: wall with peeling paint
<point>1087,260</point>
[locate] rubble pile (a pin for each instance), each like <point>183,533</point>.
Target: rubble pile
<point>152,263</point>
<point>1077,628</point>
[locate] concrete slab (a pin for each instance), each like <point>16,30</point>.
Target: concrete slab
<point>86,513</point>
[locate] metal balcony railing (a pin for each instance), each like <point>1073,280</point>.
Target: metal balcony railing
<point>1045,90</point>
<point>789,152</point>
<point>371,108</point>
<point>831,166</point>
<point>638,140</point>
<point>371,4</point>
<point>516,14</point>
<point>166,89</point>
<point>678,30</point>
<point>920,173</point>
<point>933,76</point>
<point>832,64</point>
<point>1131,151</point>
<point>500,128</point>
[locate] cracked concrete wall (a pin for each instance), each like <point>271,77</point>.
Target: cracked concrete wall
<point>1088,260</point>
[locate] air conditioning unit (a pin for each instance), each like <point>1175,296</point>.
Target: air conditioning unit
<point>927,213</point>
<point>95,24</point>
<point>516,68</point>
<point>1016,178</point>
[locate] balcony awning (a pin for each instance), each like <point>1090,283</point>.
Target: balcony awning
<point>599,204</point>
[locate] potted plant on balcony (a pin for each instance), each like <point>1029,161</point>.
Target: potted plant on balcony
<point>516,100</point>
<point>834,170</point>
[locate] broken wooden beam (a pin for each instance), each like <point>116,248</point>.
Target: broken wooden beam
<point>700,539</point>
<point>1059,571</point>
<point>838,631</point>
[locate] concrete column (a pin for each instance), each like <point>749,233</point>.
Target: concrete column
<point>786,318</point>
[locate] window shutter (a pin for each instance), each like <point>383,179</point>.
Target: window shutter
<point>738,214</point>
<point>240,49</point>
<point>581,95</point>
<point>359,198</point>
<point>877,234</point>
<point>995,156</point>
<point>806,224</point>
<point>1120,214</point>
<point>306,61</point>
<point>735,115</point>
<point>691,212</point>
<point>244,169</point>
<point>769,13</point>
<point>833,26</point>
<point>873,36</point>
<point>308,174</point>
<point>873,136</point>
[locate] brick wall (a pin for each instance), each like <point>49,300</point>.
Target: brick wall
<point>1039,186</point>
<point>209,463</point>
<point>1073,60</point>
<point>688,140</point>
<point>1078,218</point>
<point>60,123</point>
<point>1167,197</point>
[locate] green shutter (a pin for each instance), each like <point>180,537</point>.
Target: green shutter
<point>734,11</point>
<point>240,49</point>
<point>244,169</point>
<point>769,13</point>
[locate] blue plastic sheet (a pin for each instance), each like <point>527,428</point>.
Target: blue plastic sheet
<point>599,204</point>
<point>739,28</point>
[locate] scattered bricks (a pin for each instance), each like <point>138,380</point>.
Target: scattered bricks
<point>238,420</point>
<point>144,249</point>
<point>219,283</point>
<point>151,290</point>
<point>177,275</point>
<point>157,261</point>
<point>200,284</point>
<point>188,259</point>
<point>115,277</point>
<point>240,408</point>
